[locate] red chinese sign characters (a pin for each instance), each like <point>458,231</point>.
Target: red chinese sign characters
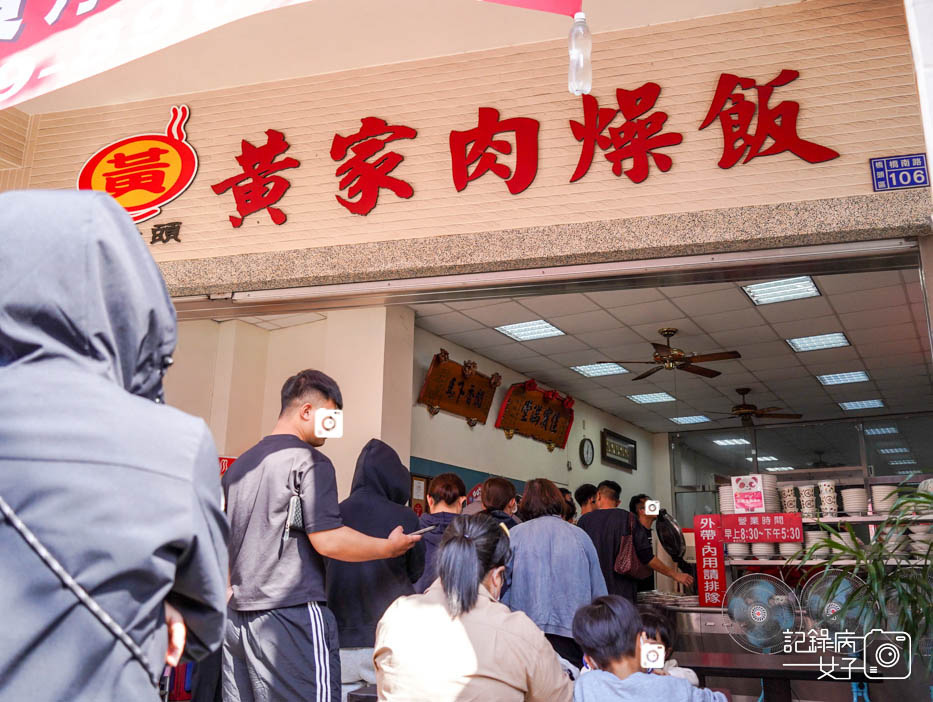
<point>363,178</point>
<point>144,172</point>
<point>636,139</point>
<point>256,188</point>
<point>482,146</point>
<point>711,567</point>
<point>778,124</point>
<point>762,528</point>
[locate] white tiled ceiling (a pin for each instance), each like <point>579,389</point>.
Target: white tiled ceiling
<point>278,321</point>
<point>881,313</point>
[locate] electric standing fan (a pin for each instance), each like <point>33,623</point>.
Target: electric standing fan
<point>757,610</point>
<point>827,599</point>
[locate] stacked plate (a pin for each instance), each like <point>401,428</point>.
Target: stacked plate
<point>772,498</point>
<point>854,501</point>
<point>737,550</point>
<point>788,548</point>
<point>921,541</point>
<point>810,538</point>
<point>883,498</point>
<point>845,538</point>
<point>763,550</point>
<point>896,540</point>
<point>726,501</point>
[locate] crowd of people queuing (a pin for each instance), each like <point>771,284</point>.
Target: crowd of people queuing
<point>493,605</point>
<point>321,596</point>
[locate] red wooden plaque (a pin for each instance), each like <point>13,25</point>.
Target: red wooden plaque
<point>543,415</point>
<point>458,389</point>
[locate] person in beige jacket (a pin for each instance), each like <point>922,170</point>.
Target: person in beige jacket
<point>456,642</point>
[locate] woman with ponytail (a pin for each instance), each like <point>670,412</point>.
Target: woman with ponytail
<point>456,641</point>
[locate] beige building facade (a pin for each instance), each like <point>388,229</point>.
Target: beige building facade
<point>857,95</point>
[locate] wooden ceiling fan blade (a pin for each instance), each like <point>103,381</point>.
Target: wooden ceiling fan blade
<point>652,371</point>
<point>781,415</point>
<point>662,349</point>
<point>707,357</point>
<point>699,370</point>
<point>628,363</point>
<point>768,410</point>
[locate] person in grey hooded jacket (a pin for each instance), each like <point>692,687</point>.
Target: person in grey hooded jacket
<point>121,490</point>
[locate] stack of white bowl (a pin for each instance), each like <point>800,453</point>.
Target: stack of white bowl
<point>726,500</point>
<point>854,501</point>
<point>763,550</point>
<point>920,539</point>
<point>895,539</point>
<point>883,498</point>
<point>845,538</point>
<point>810,538</point>
<point>772,498</point>
<point>737,550</point>
<point>788,548</point>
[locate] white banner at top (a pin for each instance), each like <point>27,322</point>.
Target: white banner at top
<point>48,44</point>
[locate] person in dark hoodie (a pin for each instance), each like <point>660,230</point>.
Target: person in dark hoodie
<point>359,593</point>
<point>499,500</point>
<point>446,495</point>
<point>97,476</point>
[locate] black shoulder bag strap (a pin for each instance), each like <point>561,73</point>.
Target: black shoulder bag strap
<point>83,597</point>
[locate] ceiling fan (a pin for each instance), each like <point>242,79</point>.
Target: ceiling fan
<point>666,356</point>
<point>746,411</point>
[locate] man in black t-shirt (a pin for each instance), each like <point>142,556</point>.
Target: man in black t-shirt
<point>281,640</point>
<point>606,527</point>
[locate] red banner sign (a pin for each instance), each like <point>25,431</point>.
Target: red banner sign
<point>560,7</point>
<point>48,44</point>
<point>762,528</point>
<point>711,566</point>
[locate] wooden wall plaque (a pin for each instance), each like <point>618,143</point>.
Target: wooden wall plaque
<point>543,415</point>
<point>458,389</point>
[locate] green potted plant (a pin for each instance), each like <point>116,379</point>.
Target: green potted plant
<point>897,589</point>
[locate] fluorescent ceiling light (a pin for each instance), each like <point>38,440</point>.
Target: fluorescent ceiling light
<point>899,449</point>
<point>592,370</point>
<point>906,472</point>
<point>762,459</point>
<point>861,404</point>
<point>694,419</point>
<point>816,343</point>
<point>731,442</point>
<point>903,462</point>
<point>778,469</point>
<point>650,397</point>
<point>782,290</point>
<point>879,431</point>
<point>842,378</point>
<point>527,331</point>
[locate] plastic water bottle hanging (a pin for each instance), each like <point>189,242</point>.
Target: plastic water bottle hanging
<point>580,46</point>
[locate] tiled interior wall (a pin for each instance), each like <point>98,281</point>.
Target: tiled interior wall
<point>856,90</point>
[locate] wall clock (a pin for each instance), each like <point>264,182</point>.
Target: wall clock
<point>587,453</point>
